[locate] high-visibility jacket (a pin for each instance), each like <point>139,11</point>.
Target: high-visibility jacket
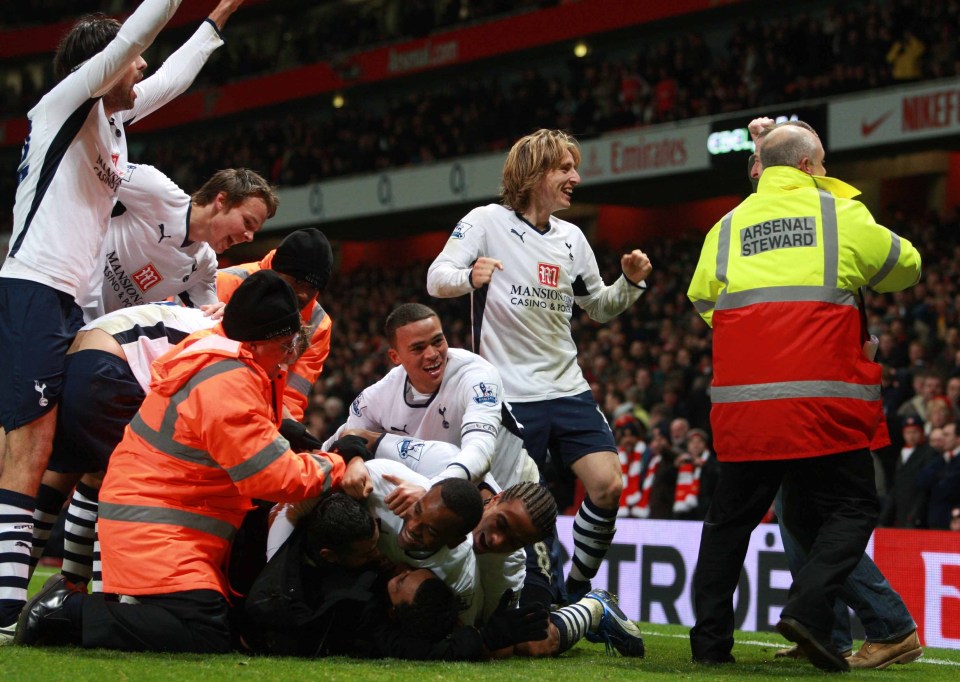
<point>304,372</point>
<point>777,280</point>
<point>203,445</point>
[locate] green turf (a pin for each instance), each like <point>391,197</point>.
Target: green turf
<point>668,656</point>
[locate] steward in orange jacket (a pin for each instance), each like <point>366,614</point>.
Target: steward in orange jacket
<point>204,444</point>
<point>304,260</point>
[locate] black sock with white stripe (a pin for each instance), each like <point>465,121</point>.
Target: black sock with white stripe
<point>78,534</point>
<point>16,539</point>
<point>49,505</point>
<point>593,531</point>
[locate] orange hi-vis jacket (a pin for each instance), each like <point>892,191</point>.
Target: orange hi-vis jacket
<point>203,446</point>
<point>305,371</point>
<point>777,280</point>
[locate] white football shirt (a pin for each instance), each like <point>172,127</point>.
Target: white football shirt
<point>522,318</point>
<point>146,256</point>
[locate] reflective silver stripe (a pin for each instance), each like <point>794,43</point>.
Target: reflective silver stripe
<point>162,439</point>
<point>793,389</point>
<point>892,258</point>
<point>703,306</point>
<point>242,273</point>
<point>137,513</point>
<point>791,294</point>
<point>298,384</point>
<point>316,317</point>
<point>168,445</point>
<point>260,461</point>
<point>326,466</point>
<point>831,240</point>
<point>723,247</point>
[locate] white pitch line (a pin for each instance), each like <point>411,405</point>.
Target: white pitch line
<point>751,642</point>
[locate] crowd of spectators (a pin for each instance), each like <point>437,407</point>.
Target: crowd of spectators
<point>670,77</point>
<point>667,79</point>
<point>263,39</point>
<point>650,369</point>
<point>365,22</point>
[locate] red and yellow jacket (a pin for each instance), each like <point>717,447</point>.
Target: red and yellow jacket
<point>203,445</point>
<point>778,280</point>
<point>305,371</point>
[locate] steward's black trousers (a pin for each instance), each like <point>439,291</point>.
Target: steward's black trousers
<point>841,509</point>
<point>190,621</point>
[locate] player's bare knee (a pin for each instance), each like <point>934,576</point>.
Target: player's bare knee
<point>606,493</point>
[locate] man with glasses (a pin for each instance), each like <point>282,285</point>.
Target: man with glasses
<point>203,445</point>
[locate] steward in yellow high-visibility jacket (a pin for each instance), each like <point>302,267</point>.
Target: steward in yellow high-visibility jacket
<point>778,280</point>
<point>796,401</point>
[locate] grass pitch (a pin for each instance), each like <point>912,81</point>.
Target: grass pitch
<point>668,658</point>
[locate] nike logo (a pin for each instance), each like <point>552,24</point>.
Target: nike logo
<point>519,234</point>
<point>867,129</point>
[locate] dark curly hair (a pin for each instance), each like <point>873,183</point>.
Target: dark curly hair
<point>336,523</point>
<point>463,499</point>
<point>433,613</point>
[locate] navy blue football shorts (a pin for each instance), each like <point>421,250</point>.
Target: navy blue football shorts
<point>37,324</point>
<point>569,428</point>
<point>100,397</point>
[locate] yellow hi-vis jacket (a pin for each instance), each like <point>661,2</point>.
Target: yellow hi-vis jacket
<point>304,372</point>
<point>204,444</point>
<point>777,280</point>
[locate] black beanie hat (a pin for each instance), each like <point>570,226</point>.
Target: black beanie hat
<point>305,254</point>
<point>262,307</point>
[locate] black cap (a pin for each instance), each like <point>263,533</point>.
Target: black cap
<point>262,307</point>
<point>305,254</point>
<point>912,423</point>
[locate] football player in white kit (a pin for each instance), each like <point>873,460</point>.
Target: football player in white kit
<point>434,533</point>
<point>445,394</point>
<point>525,269</point>
<point>166,241</point>
<point>451,395</point>
<point>72,164</point>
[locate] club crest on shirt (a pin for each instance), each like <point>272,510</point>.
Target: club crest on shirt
<point>548,274</point>
<point>460,230</point>
<point>485,393</point>
<point>147,277</point>
<point>356,408</point>
<point>410,449</point>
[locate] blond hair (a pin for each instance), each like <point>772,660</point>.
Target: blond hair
<point>529,160</point>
